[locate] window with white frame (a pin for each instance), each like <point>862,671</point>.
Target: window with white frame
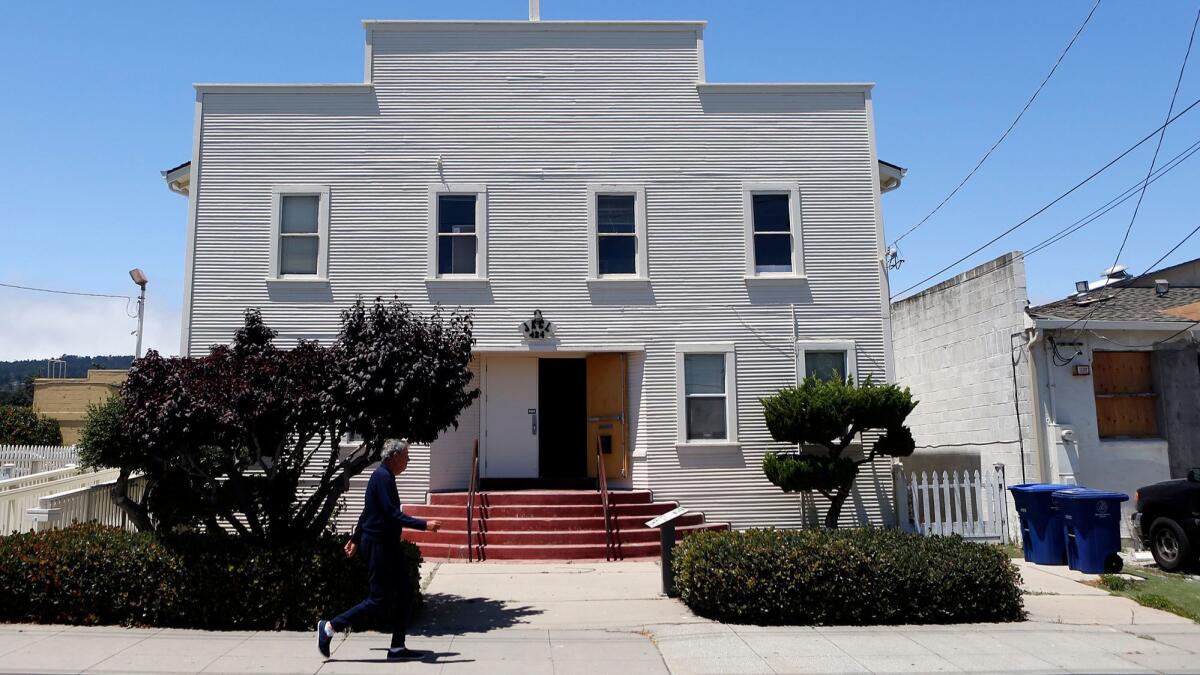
<point>706,384</point>
<point>773,233</point>
<point>616,232</point>
<point>458,239</point>
<point>826,360</point>
<point>299,232</point>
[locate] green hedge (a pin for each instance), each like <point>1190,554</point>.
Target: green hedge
<point>844,577</point>
<point>88,574</point>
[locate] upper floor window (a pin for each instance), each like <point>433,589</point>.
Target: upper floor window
<point>707,393</point>
<point>458,233</point>
<point>616,232</point>
<point>300,232</point>
<point>773,239</point>
<point>827,360</point>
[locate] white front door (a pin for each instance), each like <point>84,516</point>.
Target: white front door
<point>510,441</point>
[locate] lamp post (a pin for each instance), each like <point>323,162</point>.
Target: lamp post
<point>140,279</point>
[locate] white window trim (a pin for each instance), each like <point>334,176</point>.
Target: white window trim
<point>641,264</point>
<point>481,256</point>
<point>277,194</point>
<point>794,210</point>
<point>850,347</point>
<point>731,426</point>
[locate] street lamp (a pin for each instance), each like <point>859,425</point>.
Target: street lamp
<point>140,279</point>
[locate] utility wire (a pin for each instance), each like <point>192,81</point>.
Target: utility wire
<point>1162,134</point>
<point>1007,131</point>
<point>51,290</point>
<point>1092,217</point>
<point>1056,200</point>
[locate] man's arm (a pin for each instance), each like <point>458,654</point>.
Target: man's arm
<point>356,535</point>
<point>392,508</point>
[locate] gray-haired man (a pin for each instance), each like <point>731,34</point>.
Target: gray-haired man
<point>378,534</point>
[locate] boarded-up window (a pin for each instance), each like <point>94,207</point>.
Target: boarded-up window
<point>1126,404</point>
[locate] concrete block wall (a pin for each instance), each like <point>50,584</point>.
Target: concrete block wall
<point>952,349</point>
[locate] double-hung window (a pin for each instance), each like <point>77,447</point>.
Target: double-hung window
<point>773,234</point>
<point>458,239</point>
<point>300,232</point>
<point>707,394</point>
<point>616,232</point>
<point>826,360</point>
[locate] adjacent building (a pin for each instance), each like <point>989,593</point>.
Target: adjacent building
<point>645,253</point>
<point>67,399</point>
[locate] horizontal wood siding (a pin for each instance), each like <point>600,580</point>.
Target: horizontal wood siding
<point>536,117</point>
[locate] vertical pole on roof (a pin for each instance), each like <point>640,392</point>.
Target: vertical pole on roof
<point>535,13</point>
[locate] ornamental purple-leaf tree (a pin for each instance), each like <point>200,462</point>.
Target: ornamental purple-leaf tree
<point>248,437</point>
<point>823,418</point>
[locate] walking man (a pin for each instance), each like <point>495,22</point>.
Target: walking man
<point>378,535</point>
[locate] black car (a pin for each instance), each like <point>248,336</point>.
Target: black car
<point>1168,521</point>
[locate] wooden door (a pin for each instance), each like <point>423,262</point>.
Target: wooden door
<point>606,414</point>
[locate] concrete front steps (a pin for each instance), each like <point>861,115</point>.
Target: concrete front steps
<point>545,525</point>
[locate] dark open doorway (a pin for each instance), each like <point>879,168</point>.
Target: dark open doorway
<point>562,404</point>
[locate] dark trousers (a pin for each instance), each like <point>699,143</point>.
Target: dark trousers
<point>390,589</point>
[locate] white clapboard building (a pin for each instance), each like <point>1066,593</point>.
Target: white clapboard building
<point>645,253</point>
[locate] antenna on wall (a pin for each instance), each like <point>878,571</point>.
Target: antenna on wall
<point>535,13</point>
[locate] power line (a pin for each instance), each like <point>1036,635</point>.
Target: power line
<point>1162,134</point>
<point>51,290</point>
<point>1095,215</point>
<point>1056,200</point>
<point>1006,131</point>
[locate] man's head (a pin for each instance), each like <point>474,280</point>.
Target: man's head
<point>395,455</point>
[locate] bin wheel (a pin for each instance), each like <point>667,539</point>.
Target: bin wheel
<point>1169,544</point>
<point>1113,563</point>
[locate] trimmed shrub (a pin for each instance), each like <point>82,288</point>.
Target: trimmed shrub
<point>88,574</point>
<point>844,577</point>
<point>22,426</point>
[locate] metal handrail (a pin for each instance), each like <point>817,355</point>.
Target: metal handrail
<point>610,544</point>
<point>471,490</point>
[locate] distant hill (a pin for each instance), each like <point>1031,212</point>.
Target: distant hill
<point>14,373</point>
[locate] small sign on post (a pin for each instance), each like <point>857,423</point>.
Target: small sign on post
<point>666,528</point>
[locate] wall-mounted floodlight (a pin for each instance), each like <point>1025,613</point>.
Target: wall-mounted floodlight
<point>1161,287</point>
<point>1081,286</point>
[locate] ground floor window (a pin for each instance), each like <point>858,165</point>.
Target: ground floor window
<point>707,393</point>
<point>1126,403</point>
<point>826,360</point>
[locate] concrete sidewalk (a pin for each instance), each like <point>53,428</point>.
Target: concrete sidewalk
<point>609,618</point>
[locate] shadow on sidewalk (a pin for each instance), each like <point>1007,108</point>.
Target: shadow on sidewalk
<point>431,658</point>
<point>449,614</point>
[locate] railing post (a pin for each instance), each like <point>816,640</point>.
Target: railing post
<point>1002,488</point>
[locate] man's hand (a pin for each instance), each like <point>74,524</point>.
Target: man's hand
<point>350,549</point>
<point>433,525</point>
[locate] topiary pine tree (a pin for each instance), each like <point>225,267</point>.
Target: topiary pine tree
<point>831,414</point>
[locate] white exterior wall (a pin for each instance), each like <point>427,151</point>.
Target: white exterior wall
<point>536,113</point>
<point>952,349</point>
<point>1068,401</point>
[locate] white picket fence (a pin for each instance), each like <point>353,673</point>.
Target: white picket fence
<point>24,460</point>
<point>19,495</point>
<point>973,505</point>
<point>91,503</point>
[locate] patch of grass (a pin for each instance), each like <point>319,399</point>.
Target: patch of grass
<point>1174,593</point>
<point>1013,551</point>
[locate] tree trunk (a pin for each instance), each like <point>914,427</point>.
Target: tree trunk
<point>137,513</point>
<point>835,506</point>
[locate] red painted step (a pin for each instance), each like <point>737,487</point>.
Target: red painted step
<point>545,525</point>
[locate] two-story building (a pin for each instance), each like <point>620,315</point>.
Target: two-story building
<point>693,246</point>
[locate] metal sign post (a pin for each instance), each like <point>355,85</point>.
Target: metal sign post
<point>666,529</point>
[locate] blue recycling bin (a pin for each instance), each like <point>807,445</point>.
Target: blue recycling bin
<point>1092,527</point>
<point>1041,525</point>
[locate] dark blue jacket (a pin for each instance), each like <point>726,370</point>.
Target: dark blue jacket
<point>381,519</point>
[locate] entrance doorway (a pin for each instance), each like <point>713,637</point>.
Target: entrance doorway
<point>562,400</point>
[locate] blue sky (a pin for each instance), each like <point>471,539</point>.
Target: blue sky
<point>98,101</point>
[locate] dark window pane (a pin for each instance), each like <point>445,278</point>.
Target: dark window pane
<point>299,214</point>
<point>614,214</point>
<point>825,365</point>
<point>456,213</point>
<point>706,418</point>
<point>771,213</point>
<point>298,255</point>
<point>618,255</point>
<point>703,374</point>
<point>456,255</point>
<point>772,253</point>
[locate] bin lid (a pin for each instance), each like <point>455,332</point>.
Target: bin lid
<point>1039,487</point>
<point>1088,493</point>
